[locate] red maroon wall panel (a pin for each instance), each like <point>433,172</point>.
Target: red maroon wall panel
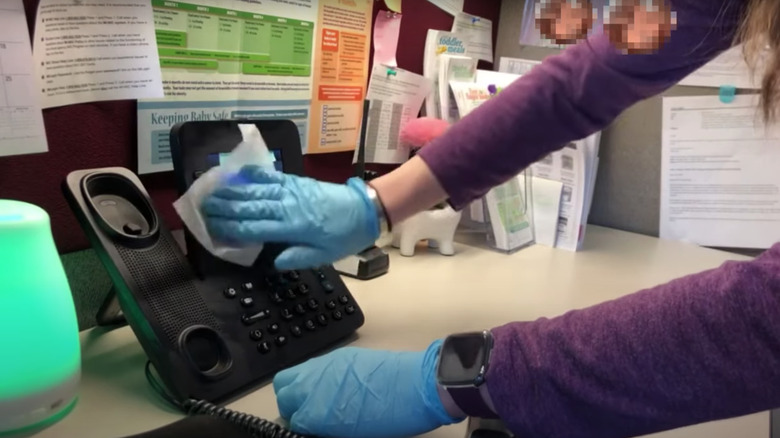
<point>104,134</point>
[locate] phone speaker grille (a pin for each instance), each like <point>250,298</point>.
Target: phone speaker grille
<point>167,287</point>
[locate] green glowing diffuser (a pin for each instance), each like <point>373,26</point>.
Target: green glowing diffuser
<point>39,336</point>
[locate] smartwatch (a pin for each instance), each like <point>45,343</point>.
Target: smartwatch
<point>385,228</point>
<point>461,369</point>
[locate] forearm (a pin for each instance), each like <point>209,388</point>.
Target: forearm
<point>560,101</point>
<point>697,349</point>
<point>408,190</point>
<point>567,98</point>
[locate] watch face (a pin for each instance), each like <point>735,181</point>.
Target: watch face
<point>462,359</point>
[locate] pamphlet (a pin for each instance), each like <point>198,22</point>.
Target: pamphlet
<point>575,166</point>
<point>439,43</point>
<point>510,213</point>
<point>453,69</point>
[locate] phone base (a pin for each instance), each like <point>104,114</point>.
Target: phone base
<point>110,313</point>
<point>487,428</point>
<point>368,264</point>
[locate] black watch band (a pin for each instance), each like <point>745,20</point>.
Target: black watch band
<point>470,401</point>
<point>461,371</point>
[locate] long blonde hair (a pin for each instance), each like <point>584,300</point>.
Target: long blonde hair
<point>760,35</point>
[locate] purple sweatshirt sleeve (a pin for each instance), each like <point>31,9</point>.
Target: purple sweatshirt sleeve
<point>700,348</point>
<point>569,97</point>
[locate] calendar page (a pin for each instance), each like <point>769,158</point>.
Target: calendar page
<point>21,120</point>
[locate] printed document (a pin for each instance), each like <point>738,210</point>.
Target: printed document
<point>395,97</point>
<point>478,33</point>
<point>452,7</point>
<point>729,68</point>
<point>90,51</point>
<point>720,167</point>
<point>21,120</point>
<point>516,66</point>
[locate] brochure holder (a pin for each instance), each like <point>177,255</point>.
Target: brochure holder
<point>503,219</point>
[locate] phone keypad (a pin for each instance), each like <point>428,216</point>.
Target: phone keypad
<point>296,310</point>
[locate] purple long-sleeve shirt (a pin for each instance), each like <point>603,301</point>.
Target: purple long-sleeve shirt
<point>700,348</point>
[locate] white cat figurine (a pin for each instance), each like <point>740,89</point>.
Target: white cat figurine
<point>437,226</point>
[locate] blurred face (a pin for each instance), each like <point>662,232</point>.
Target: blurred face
<point>633,26</point>
<point>565,21</point>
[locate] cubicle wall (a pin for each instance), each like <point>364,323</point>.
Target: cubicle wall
<point>103,134</point>
<point>628,185</point>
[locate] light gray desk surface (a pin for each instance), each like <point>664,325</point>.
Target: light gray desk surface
<point>422,298</point>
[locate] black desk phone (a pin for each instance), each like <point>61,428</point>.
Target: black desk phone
<point>212,330</point>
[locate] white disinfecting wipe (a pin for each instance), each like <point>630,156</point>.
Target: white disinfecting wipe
<point>251,151</point>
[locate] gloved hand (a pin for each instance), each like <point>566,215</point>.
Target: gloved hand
<point>355,392</point>
<point>323,222</point>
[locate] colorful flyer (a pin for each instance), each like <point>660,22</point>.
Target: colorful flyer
<point>340,76</point>
<point>299,60</point>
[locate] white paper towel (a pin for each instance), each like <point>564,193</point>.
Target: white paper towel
<point>252,150</point>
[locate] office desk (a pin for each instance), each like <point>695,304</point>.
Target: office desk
<point>422,298</point>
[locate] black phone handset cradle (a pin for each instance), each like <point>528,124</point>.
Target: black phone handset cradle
<point>213,331</point>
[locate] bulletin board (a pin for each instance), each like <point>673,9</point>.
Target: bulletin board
<point>104,134</point>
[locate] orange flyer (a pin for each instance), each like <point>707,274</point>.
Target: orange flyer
<point>340,74</point>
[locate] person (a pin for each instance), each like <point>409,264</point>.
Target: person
<point>699,348</point>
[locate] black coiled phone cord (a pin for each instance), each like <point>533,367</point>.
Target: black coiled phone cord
<point>255,426</point>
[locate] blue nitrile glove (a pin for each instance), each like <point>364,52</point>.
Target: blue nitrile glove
<point>322,222</point>
<point>356,392</point>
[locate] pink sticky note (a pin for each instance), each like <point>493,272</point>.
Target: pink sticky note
<point>386,31</point>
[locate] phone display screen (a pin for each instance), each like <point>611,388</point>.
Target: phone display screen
<point>214,160</point>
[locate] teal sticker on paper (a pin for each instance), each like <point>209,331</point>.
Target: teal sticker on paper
<point>727,93</point>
